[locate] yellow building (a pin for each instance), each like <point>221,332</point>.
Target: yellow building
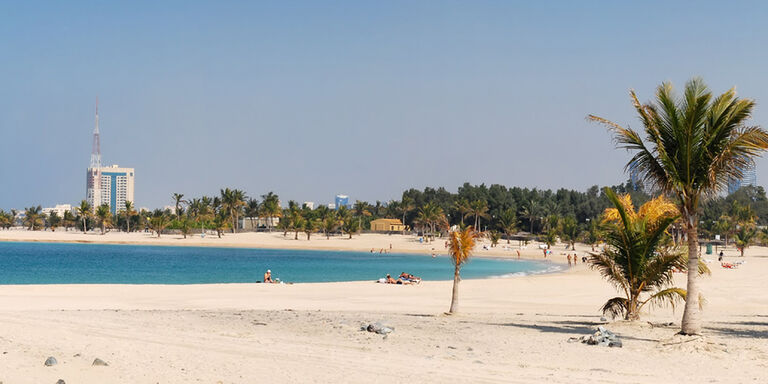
<point>387,225</point>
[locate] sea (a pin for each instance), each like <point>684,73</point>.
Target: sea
<point>67,263</point>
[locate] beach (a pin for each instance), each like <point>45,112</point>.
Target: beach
<point>508,330</point>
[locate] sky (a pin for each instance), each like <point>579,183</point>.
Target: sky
<point>313,99</point>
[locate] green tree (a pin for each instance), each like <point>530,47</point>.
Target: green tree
<point>508,223</point>
<point>692,146</point>
<point>252,211</point>
<point>158,221</point>
<point>33,217</point>
<point>460,246</point>
<point>330,223</point>
<point>270,208</point>
<point>232,202</point>
<point>129,213</point>
<point>84,211</point>
<point>350,226</point>
<point>570,231</point>
<point>744,237</point>
<point>54,220</point>
<point>178,200</point>
<point>310,225</point>
<point>479,209</point>
<point>104,216</point>
<point>634,260</point>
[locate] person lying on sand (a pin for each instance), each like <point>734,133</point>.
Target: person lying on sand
<point>408,277</point>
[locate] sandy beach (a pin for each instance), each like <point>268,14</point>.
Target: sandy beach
<point>511,330</point>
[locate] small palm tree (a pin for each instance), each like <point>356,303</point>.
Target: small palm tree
<point>270,208</point>
<point>494,236</point>
<point>104,215</point>
<point>330,223</point>
<point>310,225</point>
<point>350,226</point>
<point>690,148</point>
<point>479,209</point>
<point>463,208</point>
<point>252,211</point>
<point>744,237</point>
<point>158,221</point>
<point>508,223</point>
<point>460,246</point>
<point>635,260</point>
<point>569,231</point>
<point>33,217</point>
<point>54,220</point>
<point>84,211</point>
<point>406,205</point>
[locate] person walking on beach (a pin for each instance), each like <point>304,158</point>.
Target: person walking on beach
<point>569,259</point>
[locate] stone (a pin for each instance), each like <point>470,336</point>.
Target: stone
<point>60,381</point>
<point>50,361</point>
<point>615,344</point>
<point>99,362</point>
<point>603,319</point>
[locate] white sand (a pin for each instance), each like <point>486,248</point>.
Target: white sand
<point>511,330</point>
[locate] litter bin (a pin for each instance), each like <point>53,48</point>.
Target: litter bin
<point>709,249</point>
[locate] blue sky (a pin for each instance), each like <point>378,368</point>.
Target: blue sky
<point>311,99</point>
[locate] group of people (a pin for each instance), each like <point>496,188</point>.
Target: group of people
<point>573,260</point>
<point>404,278</point>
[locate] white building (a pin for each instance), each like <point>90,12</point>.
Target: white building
<point>59,209</point>
<point>114,189</point>
<point>309,204</point>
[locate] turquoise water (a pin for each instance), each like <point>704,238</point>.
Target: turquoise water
<point>55,263</point>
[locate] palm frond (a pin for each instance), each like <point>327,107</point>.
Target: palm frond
<point>615,307</point>
<point>667,297</point>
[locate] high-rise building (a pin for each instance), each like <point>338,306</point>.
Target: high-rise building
<point>749,177</point>
<point>107,185</point>
<point>342,200</point>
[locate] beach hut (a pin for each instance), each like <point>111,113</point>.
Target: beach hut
<point>387,225</point>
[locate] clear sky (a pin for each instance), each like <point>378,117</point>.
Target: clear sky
<point>310,99</point>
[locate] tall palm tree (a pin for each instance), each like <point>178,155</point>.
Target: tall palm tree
<point>84,211</point>
<point>635,260</point>
<point>531,211</point>
<point>362,209</point>
<point>479,209</point>
<point>693,145</point>
<point>232,201</point>
<point>270,208</point>
<point>463,208</point>
<point>178,199</point>
<point>406,205</point>
<point>460,246</point>
<point>104,215</point>
<point>129,212</point>
<point>252,211</point>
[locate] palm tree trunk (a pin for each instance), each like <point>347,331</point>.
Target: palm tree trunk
<point>234,223</point>
<point>691,324</point>
<point>296,235</point>
<point>455,293</point>
<point>85,230</point>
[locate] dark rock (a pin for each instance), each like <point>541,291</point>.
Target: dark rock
<point>615,344</point>
<point>60,381</point>
<point>50,361</point>
<point>99,362</point>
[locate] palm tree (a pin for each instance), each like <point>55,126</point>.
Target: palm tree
<point>350,226</point>
<point>270,208</point>
<point>406,205</point>
<point>158,221</point>
<point>232,201</point>
<point>479,209</point>
<point>361,209</point>
<point>531,211</point>
<point>508,222</point>
<point>68,220</point>
<point>252,211</point>
<point>103,213</point>
<point>297,223</point>
<point>310,225</point>
<point>84,211</point>
<point>464,209</point>
<point>54,220</point>
<point>178,200</point>
<point>569,231</point>
<point>33,217</point>
<point>129,212</point>
<point>635,260</point>
<point>330,223</point>
<point>744,237</point>
<point>460,246</point>
<point>692,147</point>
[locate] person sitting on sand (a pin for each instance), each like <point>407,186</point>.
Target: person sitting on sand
<point>268,277</point>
